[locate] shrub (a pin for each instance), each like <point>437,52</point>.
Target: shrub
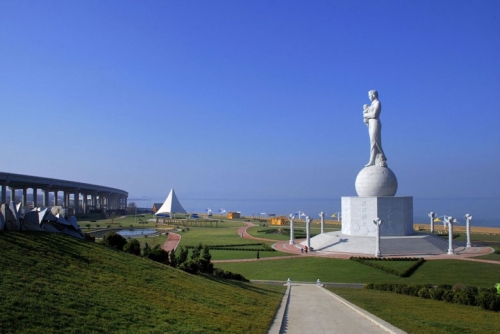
<point>464,297</point>
<point>488,301</point>
<point>437,294</point>
<point>191,266</point>
<point>424,293</point>
<point>114,240</point>
<point>89,237</point>
<point>158,254</point>
<point>133,247</point>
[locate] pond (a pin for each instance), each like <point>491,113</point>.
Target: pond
<point>126,233</point>
<point>136,232</point>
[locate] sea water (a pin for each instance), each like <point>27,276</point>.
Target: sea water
<point>484,211</point>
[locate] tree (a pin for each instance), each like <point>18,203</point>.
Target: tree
<point>173,260</point>
<point>133,247</point>
<point>114,240</point>
<point>146,250</point>
<point>182,256</point>
<point>206,265</point>
<point>196,251</point>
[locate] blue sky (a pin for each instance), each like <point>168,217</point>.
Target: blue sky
<point>251,99</point>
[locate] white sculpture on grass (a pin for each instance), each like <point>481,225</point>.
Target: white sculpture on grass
<point>48,220</point>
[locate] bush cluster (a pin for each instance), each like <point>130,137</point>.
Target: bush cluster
<point>228,275</point>
<point>487,298</point>
<point>199,262</point>
<point>376,262</point>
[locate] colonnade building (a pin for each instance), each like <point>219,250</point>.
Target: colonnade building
<point>76,196</point>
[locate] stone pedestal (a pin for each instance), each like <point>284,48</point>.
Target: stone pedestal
<point>358,214</point>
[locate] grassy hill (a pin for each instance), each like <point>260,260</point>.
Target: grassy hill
<point>54,283</point>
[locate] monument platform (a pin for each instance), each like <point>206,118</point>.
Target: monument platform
<point>396,213</point>
<point>419,244</point>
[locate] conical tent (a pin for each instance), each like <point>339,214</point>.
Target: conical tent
<point>171,205</point>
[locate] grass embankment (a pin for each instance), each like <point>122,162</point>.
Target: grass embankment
<point>55,283</point>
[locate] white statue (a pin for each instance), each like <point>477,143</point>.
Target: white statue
<point>371,115</point>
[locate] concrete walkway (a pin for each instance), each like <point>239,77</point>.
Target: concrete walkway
<point>309,308</point>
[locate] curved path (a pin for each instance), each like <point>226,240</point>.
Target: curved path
<point>172,242</point>
<point>466,254</point>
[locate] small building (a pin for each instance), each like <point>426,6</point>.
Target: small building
<point>233,215</point>
<point>156,207</point>
<point>280,220</point>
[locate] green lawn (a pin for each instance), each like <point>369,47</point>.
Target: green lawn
<point>310,269</point>
<point>58,284</point>
<point>418,315</point>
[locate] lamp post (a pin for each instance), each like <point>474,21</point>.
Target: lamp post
<point>377,222</point>
<point>468,218</point>
<point>322,216</point>
<point>450,222</point>
<point>432,215</point>
<point>292,217</point>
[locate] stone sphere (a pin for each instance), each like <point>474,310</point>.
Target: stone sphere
<point>375,181</point>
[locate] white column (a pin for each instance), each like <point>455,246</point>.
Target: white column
<point>432,215</point>
<point>450,235</point>
<point>468,218</point>
<point>292,217</point>
<point>377,222</point>
<point>308,232</point>
<point>322,216</point>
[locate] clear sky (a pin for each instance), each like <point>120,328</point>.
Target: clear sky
<point>251,99</point>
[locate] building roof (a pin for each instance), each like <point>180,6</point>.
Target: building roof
<point>171,205</point>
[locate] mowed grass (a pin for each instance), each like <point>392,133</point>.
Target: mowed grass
<point>226,234</point>
<point>309,269</point>
<point>418,315</point>
<point>55,283</point>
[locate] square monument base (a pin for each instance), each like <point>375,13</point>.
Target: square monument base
<point>396,213</point>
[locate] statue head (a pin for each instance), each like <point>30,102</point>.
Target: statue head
<point>373,93</point>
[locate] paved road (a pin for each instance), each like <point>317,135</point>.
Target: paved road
<point>308,308</point>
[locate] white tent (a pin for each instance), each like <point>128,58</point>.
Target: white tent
<point>171,205</point>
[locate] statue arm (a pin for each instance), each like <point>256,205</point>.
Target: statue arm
<point>372,111</point>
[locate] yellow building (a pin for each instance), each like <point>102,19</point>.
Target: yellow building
<point>281,220</point>
<point>233,215</point>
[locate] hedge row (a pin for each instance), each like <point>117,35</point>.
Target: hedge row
<point>228,275</point>
<point>372,262</point>
<point>245,249</point>
<point>264,247</point>
<point>487,298</point>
